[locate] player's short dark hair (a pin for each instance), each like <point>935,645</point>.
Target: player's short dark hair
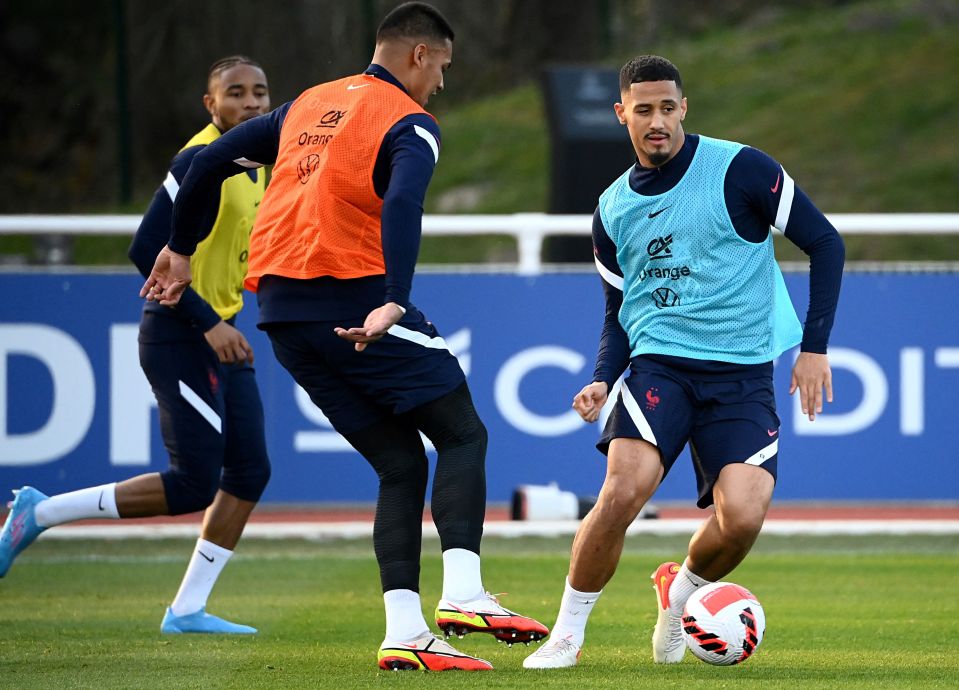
<point>414,20</point>
<point>648,68</point>
<point>226,63</point>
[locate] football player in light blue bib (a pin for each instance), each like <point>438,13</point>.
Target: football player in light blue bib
<point>696,312</point>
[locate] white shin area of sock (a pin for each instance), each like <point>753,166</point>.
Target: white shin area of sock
<point>404,615</point>
<point>685,583</point>
<point>574,611</point>
<point>462,580</point>
<point>95,502</point>
<point>205,567</point>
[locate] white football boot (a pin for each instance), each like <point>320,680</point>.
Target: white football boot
<point>668,643</point>
<point>556,652</point>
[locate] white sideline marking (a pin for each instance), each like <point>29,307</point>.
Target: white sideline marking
<point>353,530</point>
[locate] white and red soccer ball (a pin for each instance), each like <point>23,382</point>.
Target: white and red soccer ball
<point>723,623</point>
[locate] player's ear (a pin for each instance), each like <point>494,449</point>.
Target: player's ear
<point>209,103</point>
<point>420,52</point>
<point>620,112</point>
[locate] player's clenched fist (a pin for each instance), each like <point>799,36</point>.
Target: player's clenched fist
<point>589,401</point>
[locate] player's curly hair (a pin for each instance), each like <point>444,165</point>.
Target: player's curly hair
<point>414,20</point>
<point>226,63</point>
<point>648,68</point>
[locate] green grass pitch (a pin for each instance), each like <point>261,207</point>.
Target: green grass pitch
<point>853,612</point>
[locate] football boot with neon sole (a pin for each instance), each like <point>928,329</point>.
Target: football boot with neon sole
<point>486,615</point>
<point>427,653</point>
<point>668,643</point>
<point>201,622</point>
<point>556,652</point>
<point>21,528</point>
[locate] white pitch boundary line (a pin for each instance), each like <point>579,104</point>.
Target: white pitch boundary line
<point>320,531</point>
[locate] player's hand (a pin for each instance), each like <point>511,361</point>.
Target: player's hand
<point>168,279</point>
<point>229,344</point>
<point>377,323</point>
<point>811,374</point>
<point>589,401</point>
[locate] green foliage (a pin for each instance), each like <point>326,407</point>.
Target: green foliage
<point>861,612</point>
<point>855,99</point>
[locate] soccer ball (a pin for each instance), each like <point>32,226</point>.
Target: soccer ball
<point>723,623</point>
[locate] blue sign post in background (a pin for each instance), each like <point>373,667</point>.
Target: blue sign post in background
<point>75,410</point>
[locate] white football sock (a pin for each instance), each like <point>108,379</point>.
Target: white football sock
<point>574,610</point>
<point>685,583</point>
<point>205,567</point>
<point>95,502</point>
<point>404,615</point>
<point>461,575</point>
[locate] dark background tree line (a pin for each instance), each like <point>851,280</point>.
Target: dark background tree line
<point>96,96</point>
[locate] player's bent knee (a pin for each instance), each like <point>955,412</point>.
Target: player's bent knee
<point>261,477</point>
<point>621,501</point>
<point>741,526</point>
<point>249,483</point>
<point>476,435</point>
<point>187,493</point>
<point>468,431</point>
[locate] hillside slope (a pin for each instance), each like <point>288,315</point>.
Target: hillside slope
<point>859,103</point>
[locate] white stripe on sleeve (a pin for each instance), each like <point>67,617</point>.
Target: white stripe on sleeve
<point>430,139</point>
<point>171,186</point>
<point>198,404</point>
<point>785,202</point>
<point>610,277</point>
<point>636,414</point>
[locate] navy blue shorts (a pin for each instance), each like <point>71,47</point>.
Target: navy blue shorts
<point>211,416</point>
<point>410,366</point>
<point>724,419</point>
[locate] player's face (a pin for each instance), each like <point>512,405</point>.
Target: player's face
<point>653,112</point>
<point>237,94</point>
<point>430,64</point>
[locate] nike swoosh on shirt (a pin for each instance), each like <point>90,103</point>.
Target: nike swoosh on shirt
<point>772,433</point>
<point>775,187</point>
<point>100,502</point>
<point>356,86</point>
<point>656,213</point>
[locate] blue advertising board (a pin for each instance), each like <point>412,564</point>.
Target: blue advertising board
<point>75,409</point>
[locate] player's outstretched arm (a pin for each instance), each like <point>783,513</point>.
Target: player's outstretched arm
<point>811,374</point>
<point>168,278</point>
<point>589,401</point>
<point>377,323</point>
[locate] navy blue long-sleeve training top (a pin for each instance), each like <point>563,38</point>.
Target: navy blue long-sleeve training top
<point>401,175</point>
<point>154,232</point>
<point>752,209</point>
